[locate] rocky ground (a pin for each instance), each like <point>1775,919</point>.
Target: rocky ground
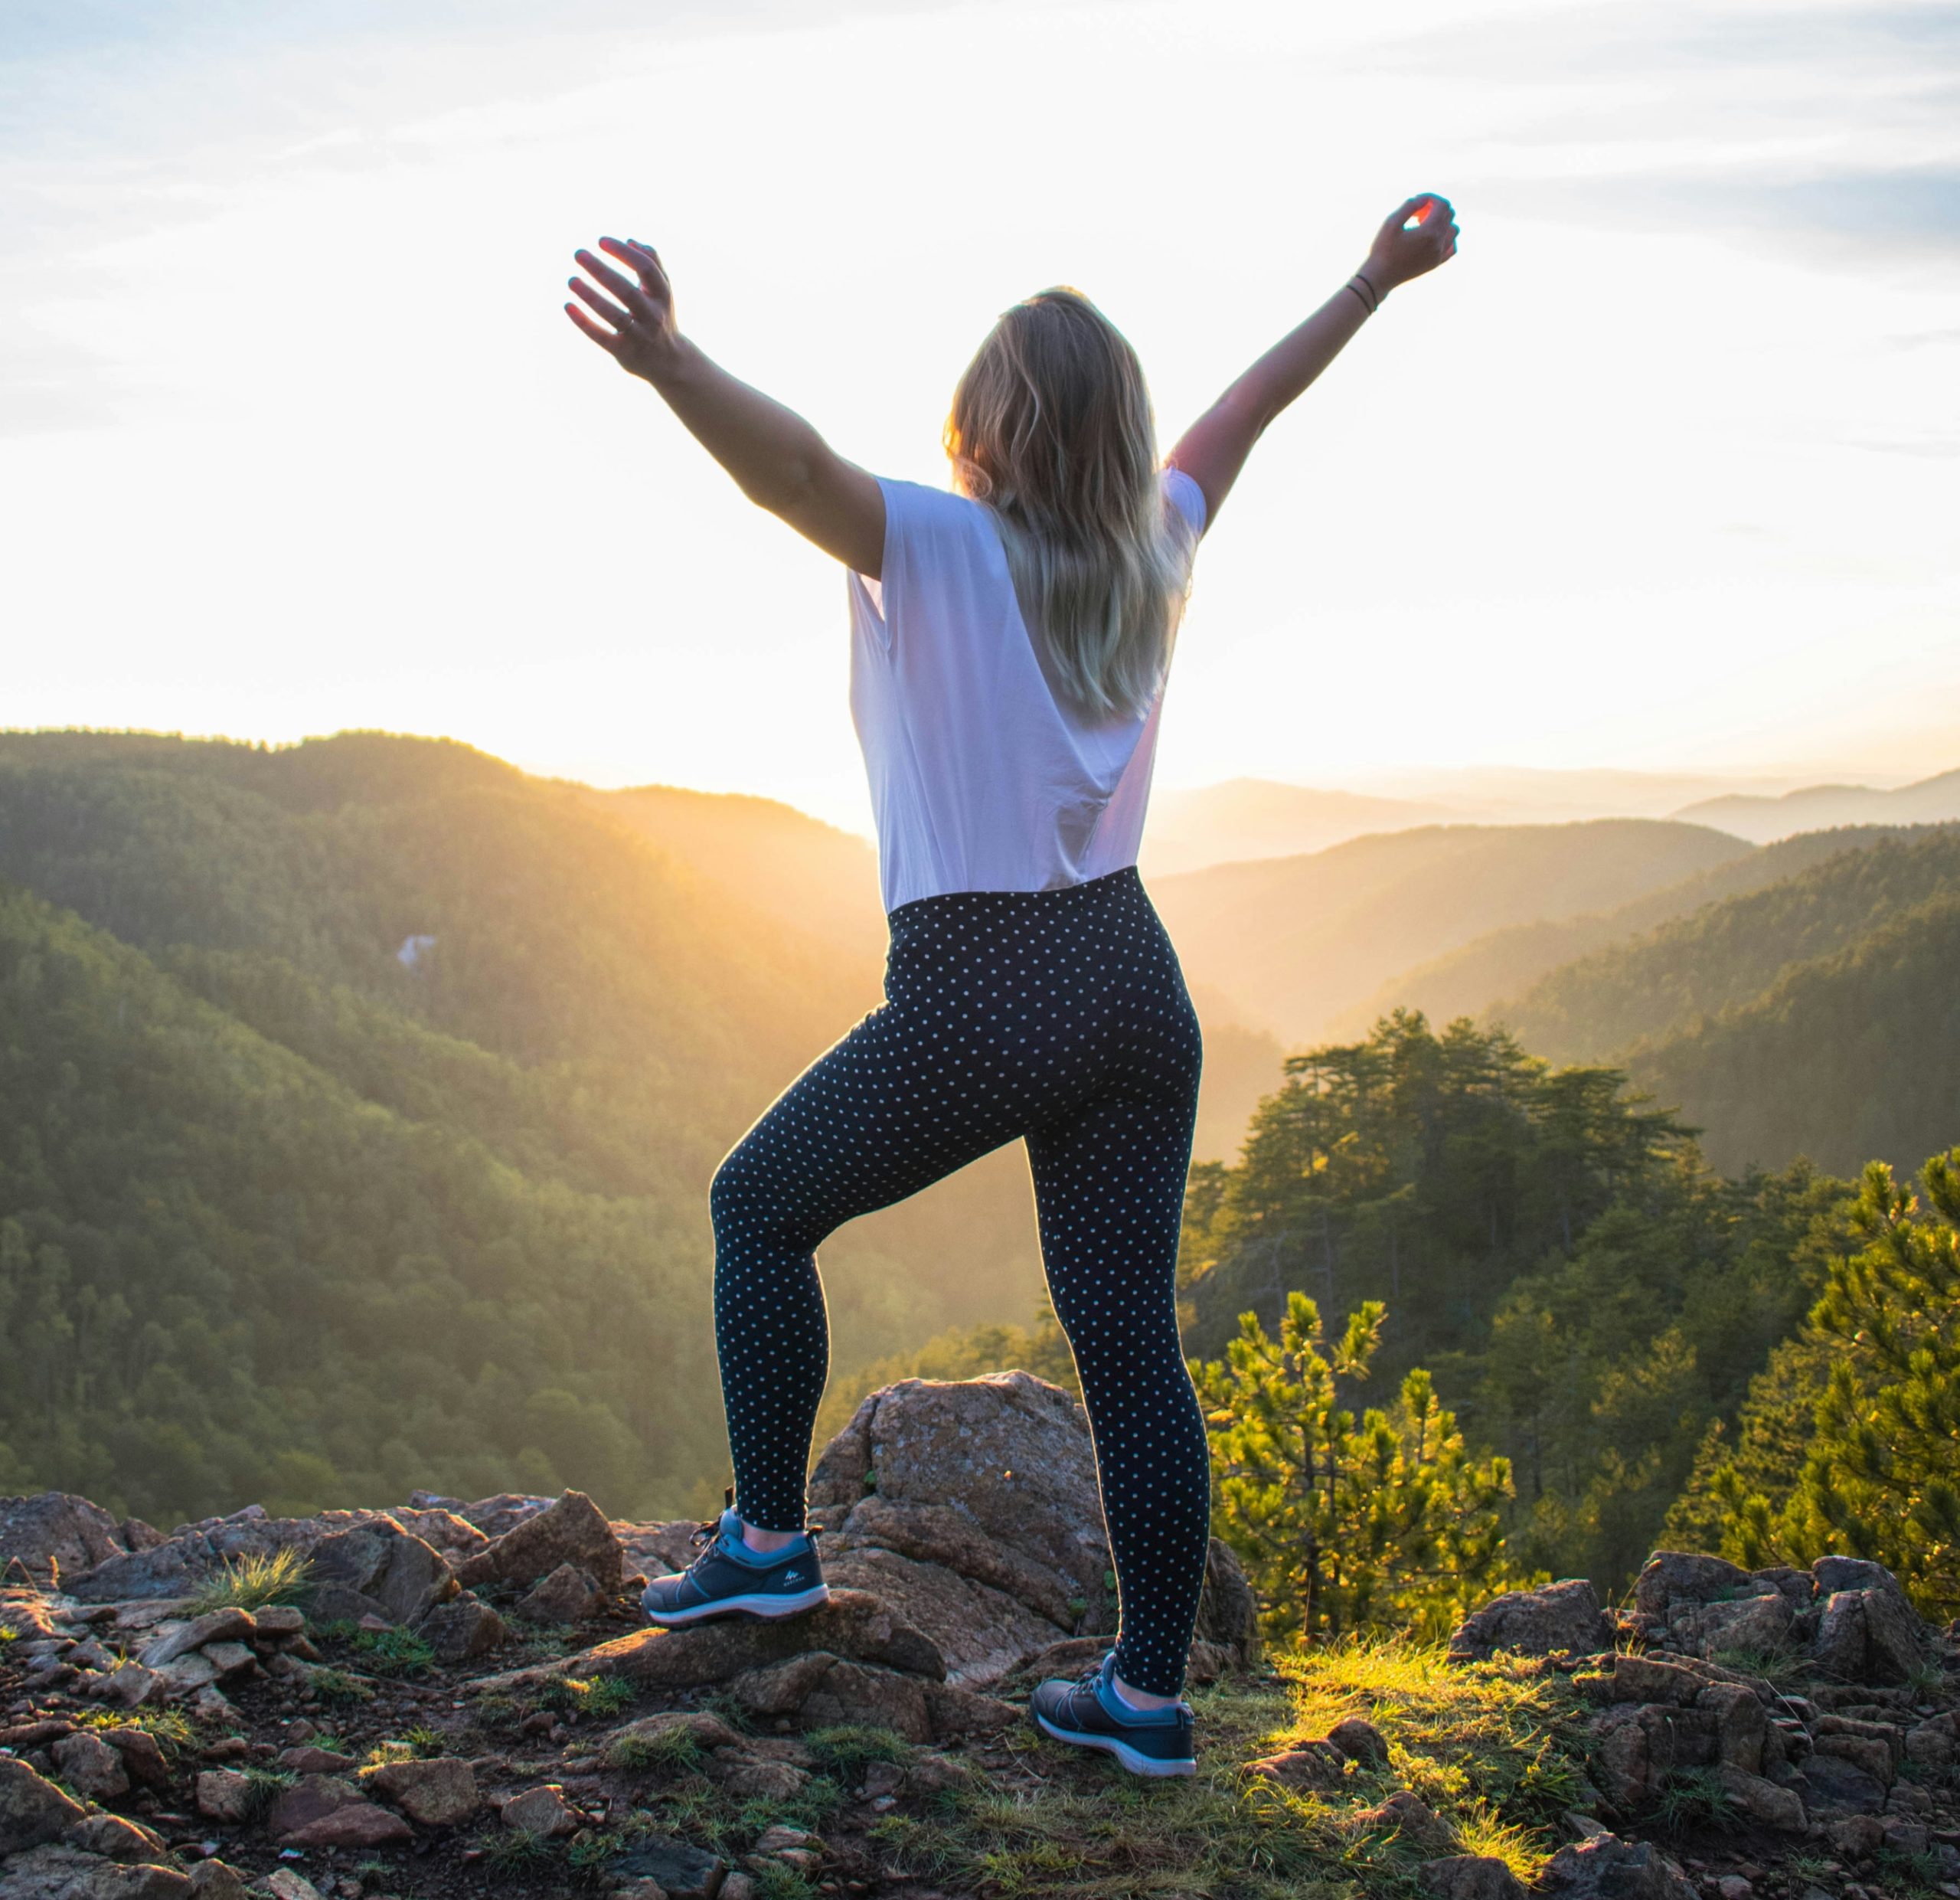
<point>449,1699</point>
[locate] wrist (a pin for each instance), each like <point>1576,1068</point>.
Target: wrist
<point>670,362</point>
<point>1377,279</point>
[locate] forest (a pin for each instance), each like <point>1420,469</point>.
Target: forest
<point>358,1099</point>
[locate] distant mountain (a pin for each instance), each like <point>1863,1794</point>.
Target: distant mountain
<point>1933,801</point>
<point>1650,988</point>
<point>1289,945</point>
<point>1851,1055</point>
<point>821,880</point>
<point>1472,980</point>
<point>1516,794</point>
<point>1260,818</point>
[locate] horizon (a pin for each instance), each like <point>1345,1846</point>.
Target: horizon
<point>296,439</point>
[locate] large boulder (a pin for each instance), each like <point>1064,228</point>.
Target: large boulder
<point>383,1565</point>
<point>1673,1578</point>
<point>57,1536</point>
<point>68,1873</point>
<point>1607,1868</point>
<point>1560,1617</point>
<point>32,1809</point>
<point>972,1506</point>
<point>573,1531</point>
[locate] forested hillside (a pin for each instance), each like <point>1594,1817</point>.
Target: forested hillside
<point>1933,801</point>
<point>1289,944</point>
<point>1472,980</point>
<point>465,1012</point>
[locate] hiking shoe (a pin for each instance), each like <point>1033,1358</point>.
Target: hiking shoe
<point>1088,1714</point>
<point>728,1579</point>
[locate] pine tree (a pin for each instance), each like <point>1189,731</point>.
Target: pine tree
<point>1342,1524</point>
<point>1881,1476</point>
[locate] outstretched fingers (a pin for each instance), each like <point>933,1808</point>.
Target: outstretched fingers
<point>605,339</point>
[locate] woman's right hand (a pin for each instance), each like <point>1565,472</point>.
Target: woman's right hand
<point>1402,251</point>
<point>642,335</point>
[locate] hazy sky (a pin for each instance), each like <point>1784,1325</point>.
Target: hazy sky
<point>1662,471</point>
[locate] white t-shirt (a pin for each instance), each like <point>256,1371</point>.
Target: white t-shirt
<point>981,779</point>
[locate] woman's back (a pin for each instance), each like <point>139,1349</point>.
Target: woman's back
<point>983,774</point>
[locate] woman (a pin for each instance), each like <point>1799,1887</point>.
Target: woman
<point>1010,644</point>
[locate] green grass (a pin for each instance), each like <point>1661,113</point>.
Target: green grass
<point>601,1695</point>
<point>393,1652</point>
<point>171,1728</point>
<point>517,1850</point>
<point>1695,1798</point>
<point>674,1750</point>
<point>255,1583</point>
<point>268,1784</point>
<point>339,1685</point>
<point>848,1751</point>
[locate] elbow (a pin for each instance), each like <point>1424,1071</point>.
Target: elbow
<point>779,490</point>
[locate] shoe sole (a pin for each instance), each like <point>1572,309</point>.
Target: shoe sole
<point>1153,1766</point>
<point>768,1607</point>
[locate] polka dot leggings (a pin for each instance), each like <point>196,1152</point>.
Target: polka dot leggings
<point>1060,1017</point>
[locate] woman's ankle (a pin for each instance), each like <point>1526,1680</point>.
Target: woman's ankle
<point>767,1543</point>
<point>1140,1699</point>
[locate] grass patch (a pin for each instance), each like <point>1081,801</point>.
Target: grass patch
<point>339,1686</point>
<point>776,1881</point>
<point>171,1728</point>
<point>267,1785</point>
<point>673,1751</point>
<point>1775,1668</point>
<point>517,1850</point>
<point>1695,1798</point>
<point>600,1695</point>
<point>394,1652</point>
<point>849,1750</point>
<point>255,1583</point>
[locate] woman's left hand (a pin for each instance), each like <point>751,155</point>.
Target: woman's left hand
<point>643,335</point>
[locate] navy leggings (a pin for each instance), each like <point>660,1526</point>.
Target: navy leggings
<point>1060,1017</point>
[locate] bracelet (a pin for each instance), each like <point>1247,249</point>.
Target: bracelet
<point>1373,300</point>
<point>1368,308</point>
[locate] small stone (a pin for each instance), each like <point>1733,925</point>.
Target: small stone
<point>221,1626</point>
<point>438,1793</point>
<point>1407,1818</point>
<point>309,1799</point>
<point>309,1760</point>
<point>231,1660</point>
<point>355,1824</point>
<point>1360,1742</point>
<point>567,1595</point>
<point>461,1630</point>
<point>142,1755</point>
<point>91,1768</point>
<point>540,1810</point>
<point>115,1838</point>
<point>223,1794</point>
<point>279,1621</point>
<point>1733,1887</point>
<point>777,1839</point>
<point>738,1886</point>
<point>1469,1877</point>
<point>285,1885</point>
<point>680,1871</point>
<point>213,1880</point>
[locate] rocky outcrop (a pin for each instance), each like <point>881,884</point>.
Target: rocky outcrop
<point>1560,1617</point>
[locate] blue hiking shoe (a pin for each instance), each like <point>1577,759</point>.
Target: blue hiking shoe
<point>728,1579</point>
<point>1088,1714</point>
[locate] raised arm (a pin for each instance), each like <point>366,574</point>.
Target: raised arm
<point>1213,449</point>
<point>778,460</point>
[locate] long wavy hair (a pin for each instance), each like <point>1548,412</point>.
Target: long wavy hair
<point>1051,429</point>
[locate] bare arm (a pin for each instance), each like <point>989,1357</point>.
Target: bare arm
<point>1213,449</point>
<point>778,460</point>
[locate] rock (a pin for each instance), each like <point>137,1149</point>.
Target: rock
<point>1869,1635</point>
<point>17,1576</point>
<point>851,1624</point>
<point>230,1660</point>
<point>1760,1623</point>
<point>1560,1617</point>
<point>442,1528</point>
<point>224,1795</point>
<point>284,1884</point>
<point>753,1779</point>
<point>1672,1578</point>
<point>129,1685</point>
<point>1741,1725</point>
<point>438,1793</point>
<point>1733,1887</point>
<point>1470,1877</point>
<point>1872,1757</point>
<point>142,1759</point>
<point>385,1564</point>
<point>1882,1733</point>
<point>1315,1765</point>
<point>173,1640</point>
<point>1643,1679</point>
<point>1934,1744</point>
<point>542,1810</point>
<point>820,1691</point>
<point>311,1798</point>
<point>1834,1786</point>
<point>681,1871</point>
<point>1360,1742</point>
<point>188,1675</point>
<point>1761,1801</point>
<point>626,1747</point>
<point>1608,1868</point>
<point>1857,1837</point>
<point>114,1838</point>
<point>982,1633</point>
<point>494,1517</point>
<point>90,1767</point>
<point>32,1809</point>
<point>176,1567</point>
<point>280,1620</point>
<point>64,1873</point>
<point>1227,1610</point>
<point>737,1886</point>
<point>308,1759</point>
<point>567,1595</point>
<point>462,1629</point>
<point>574,1531</point>
<point>355,1824</point>
<point>57,1536</point>
<point>1010,1456</point>
<point>1408,1819</point>
<point>213,1880</point>
<point>1619,1757</point>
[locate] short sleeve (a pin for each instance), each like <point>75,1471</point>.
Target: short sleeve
<point>1187,498</point>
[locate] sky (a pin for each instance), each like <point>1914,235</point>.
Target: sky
<point>1660,473</point>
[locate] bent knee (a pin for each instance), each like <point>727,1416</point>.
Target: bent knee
<point>752,1200</point>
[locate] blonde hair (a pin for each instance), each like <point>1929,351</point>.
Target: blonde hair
<point>1051,429</point>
